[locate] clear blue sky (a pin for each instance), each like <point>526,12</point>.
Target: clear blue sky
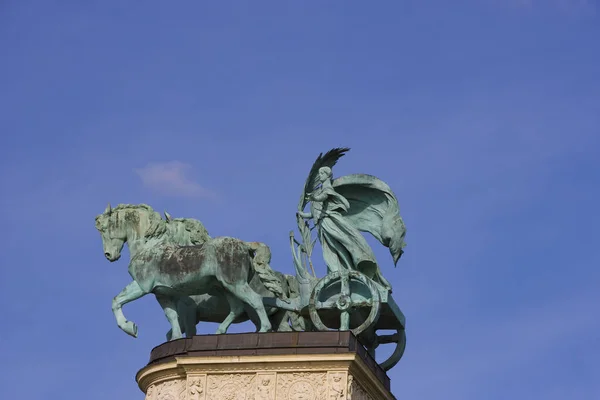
<point>482,115</point>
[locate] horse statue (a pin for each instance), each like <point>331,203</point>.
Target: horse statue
<point>198,278</point>
<point>222,267</point>
<point>208,308</point>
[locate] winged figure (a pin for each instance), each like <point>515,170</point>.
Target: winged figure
<point>342,208</point>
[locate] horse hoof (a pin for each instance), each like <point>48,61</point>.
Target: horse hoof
<point>130,328</point>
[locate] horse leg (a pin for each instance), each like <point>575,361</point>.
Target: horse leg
<point>131,292</point>
<point>169,305</point>
<point>236,308</point>
<point>281,320</point>
<point>187,319</point>
<point>187,312</point>
<point>244,292</point>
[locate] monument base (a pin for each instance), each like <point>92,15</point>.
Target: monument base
<point>264,366</point>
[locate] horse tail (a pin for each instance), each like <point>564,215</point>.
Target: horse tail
<point>297,321</point>
<point>261,256</point>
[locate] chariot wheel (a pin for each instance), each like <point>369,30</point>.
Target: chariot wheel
<point>350,293</point>
<point>399,338</point>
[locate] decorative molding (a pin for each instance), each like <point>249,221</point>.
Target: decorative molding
<point>285,377</point>
<point>283,358</point>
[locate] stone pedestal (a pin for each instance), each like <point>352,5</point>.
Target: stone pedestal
<point>264,366</point>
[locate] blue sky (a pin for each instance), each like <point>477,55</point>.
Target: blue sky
<point>482,115</point>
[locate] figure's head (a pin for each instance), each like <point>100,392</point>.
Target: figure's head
<point>323,174</point>
<point>113,234</point>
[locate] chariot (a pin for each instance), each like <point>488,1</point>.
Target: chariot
<point>347,300</point>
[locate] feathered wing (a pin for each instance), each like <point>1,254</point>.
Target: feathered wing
<point>328,160</point>
<point>373,208</point>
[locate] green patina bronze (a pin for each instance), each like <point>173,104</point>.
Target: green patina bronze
<point>219,266</point>
<point>210,308</point>
<point>196,278</point>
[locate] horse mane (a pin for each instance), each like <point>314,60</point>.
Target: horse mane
<point>156,225</point>
<point>195,231</point>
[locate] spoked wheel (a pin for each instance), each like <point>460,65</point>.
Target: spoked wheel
<point>350,293</point>
<point>400,339</point>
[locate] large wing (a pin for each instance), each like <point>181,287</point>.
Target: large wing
<point>328,160</point>
<point>373,208</point>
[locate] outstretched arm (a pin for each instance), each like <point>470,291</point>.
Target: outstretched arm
<point>320,195</point>
<point>303,214</point>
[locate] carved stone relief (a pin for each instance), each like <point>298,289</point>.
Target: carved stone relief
<point>231,387</point>
<point>355,391</point>
<point>265,387</point>
<point>302,386</point>
<point>150,392</point>
<point>333,385</point>
<point>169,390</point>
<point>338,383</point>
<point>196,387</point>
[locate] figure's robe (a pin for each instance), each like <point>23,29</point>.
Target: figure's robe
<point>371,207</point>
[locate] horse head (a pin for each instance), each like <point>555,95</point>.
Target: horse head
<point>113,234</point>
<point>127,223</point>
